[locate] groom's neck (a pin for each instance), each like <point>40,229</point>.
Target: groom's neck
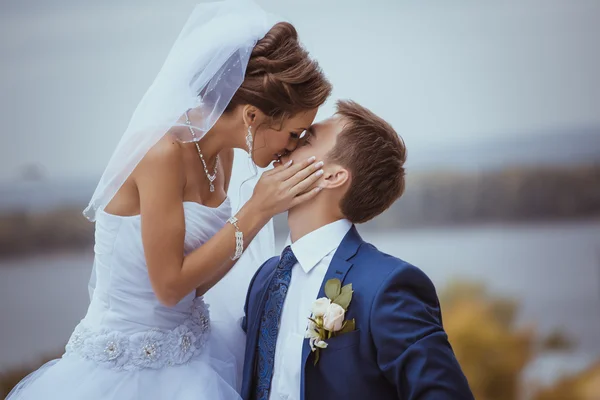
<point>309,217</point>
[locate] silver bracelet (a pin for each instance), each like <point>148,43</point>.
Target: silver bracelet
<point>239,238</point>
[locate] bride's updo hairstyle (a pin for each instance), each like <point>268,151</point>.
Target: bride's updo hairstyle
<point>281,79</point>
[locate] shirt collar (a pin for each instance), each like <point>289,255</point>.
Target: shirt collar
<point>313,247</point>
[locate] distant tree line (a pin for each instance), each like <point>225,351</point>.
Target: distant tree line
<point>435,199</point>
<point>512,195</point>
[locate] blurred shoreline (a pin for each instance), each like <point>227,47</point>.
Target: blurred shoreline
<point>436,199</point>
<point>550,269</point>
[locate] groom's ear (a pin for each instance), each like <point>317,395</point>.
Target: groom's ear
<point>334,176</point>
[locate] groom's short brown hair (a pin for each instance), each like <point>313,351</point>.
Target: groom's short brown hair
<point>374,154</point>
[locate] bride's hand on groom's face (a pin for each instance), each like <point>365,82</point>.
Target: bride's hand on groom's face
<point>287,185</point>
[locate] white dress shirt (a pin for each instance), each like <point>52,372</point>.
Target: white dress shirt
<point>314,253</point>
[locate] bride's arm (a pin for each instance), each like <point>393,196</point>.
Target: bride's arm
<point>160,182</point>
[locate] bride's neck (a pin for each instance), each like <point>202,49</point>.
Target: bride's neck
<point>211,145</point>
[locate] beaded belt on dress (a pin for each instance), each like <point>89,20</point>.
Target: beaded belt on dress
<point>153,349</point>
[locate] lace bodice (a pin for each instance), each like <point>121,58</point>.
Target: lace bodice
<point>126,326</point>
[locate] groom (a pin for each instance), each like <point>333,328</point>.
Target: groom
<point>398,349</point>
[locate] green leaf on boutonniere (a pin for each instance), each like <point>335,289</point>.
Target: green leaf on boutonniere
<point>348,326</point>
<point>345,297</point>
<point>316,357</point>
<point>347,288</point>
<point>333,288</point>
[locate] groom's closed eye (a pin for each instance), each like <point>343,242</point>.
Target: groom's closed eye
<point>306,139</point>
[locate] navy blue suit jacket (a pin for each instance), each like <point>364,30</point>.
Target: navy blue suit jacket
<point>399,349</point>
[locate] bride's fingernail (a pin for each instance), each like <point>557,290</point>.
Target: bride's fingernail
<point>289,163</point>
<point>319,164</point>
<point>319,172</point>
<point>312,159</point>
<point>318,189</point>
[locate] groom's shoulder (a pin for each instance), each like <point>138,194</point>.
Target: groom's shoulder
<point>387,267</point>
<point>382,262</point>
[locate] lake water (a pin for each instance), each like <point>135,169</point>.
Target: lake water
<point>553,270</point>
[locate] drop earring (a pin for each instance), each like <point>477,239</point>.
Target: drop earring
<point>249,141</point>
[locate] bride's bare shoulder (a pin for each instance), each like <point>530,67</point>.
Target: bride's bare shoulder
<point>166,150</point>
<point>163,159</point>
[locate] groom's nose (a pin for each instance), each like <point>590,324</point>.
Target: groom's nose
<point>291,147</point>
<point>288,151</point>
<point>287,156</point>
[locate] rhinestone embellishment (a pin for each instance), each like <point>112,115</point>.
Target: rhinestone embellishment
<point>153,349</point>
<point>204,323</point>
<point>111,350</point>
<point>185,344</point>
<point>150,351</point>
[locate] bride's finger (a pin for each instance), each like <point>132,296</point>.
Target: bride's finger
<point>292,169</point>
<point>300,176</point>
<point>306,183</point>
<point>277,166</point>
<point>306,196</point>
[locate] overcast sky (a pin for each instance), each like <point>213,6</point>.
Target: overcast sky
<point>72,71</point>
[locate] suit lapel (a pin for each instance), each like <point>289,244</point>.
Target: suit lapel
<point>262,298</point>
<point>339,267</point>
<point>252,336</point>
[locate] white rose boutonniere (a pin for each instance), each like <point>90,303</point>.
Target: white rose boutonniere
<point>328,314</point>
<point>320,307</point>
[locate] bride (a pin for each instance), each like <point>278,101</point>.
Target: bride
<point>166,230</point>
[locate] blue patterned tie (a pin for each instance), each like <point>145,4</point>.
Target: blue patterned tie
<point>269,323</point>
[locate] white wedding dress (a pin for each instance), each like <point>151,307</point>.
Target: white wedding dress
<point>130,346</point>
